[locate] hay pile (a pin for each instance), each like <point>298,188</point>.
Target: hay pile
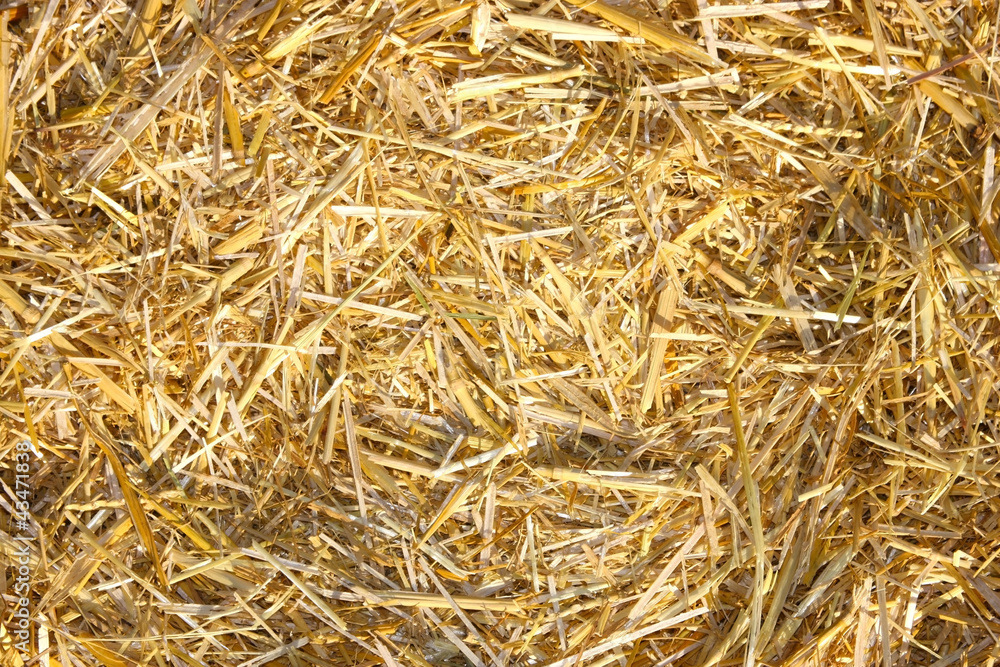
<point>500,332</point>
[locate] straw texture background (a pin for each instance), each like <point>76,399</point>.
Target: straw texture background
<point>501,332</point>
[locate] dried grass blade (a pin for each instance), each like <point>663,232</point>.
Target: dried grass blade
<point>756,523</point>
<point>646,29</point>
<point>6,123</point>
<point>135,509</point>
